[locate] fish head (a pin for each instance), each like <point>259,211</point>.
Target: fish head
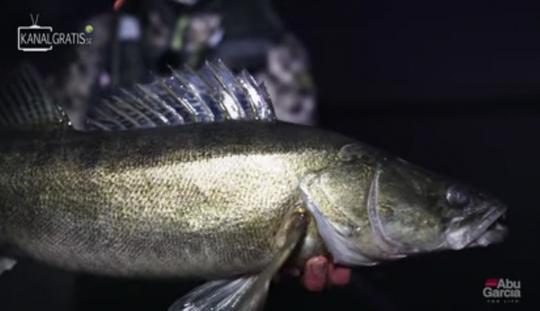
<point>370,207</point>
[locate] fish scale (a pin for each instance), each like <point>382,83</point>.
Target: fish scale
<point>179,211</point>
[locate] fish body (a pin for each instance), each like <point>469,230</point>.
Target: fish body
<point>191,176</point>
<point>201,200</point>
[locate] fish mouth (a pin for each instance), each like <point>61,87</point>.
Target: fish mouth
<point>488,229</point>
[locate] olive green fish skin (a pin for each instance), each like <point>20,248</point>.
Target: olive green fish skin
<point>202,200</point>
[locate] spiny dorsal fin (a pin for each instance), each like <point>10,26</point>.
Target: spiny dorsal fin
<point>213,94</point>
<point>25,102</point>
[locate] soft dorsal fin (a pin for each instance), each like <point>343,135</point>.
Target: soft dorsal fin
<point>213,94</point>
<point>25,102</point>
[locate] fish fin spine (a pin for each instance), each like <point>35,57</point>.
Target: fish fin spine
<point>25,102</point>
<point>213,94</point>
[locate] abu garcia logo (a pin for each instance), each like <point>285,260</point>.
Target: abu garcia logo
<point>502,290</point>
<point>36,38</point>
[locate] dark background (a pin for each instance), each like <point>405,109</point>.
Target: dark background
<point>451,85</point>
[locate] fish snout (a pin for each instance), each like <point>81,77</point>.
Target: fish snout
<point>480,230</point>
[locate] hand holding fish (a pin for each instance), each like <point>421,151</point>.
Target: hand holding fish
<point>320,272</point>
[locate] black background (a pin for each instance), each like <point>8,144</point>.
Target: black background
<point>451,85</point>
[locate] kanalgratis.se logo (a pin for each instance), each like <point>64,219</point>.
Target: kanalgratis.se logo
<point>502,290</point>
<point>36,38</point>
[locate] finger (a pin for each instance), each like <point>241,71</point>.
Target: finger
<point>315,273</point>
<point>118,4</point>
<point>338,275</point>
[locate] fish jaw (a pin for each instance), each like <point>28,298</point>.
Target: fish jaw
<point>486,230</point>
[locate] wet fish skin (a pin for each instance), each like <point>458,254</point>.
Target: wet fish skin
<point>201,200</point>
<point>230,201</point>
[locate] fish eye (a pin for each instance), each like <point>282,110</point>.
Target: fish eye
<point>457,196</point>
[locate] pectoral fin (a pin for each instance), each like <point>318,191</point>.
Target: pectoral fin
<point>6,264</point>
<point>246,293</point>
<point>221,295</point>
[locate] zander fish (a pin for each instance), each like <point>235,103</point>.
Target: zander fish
<point>191,176</point>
